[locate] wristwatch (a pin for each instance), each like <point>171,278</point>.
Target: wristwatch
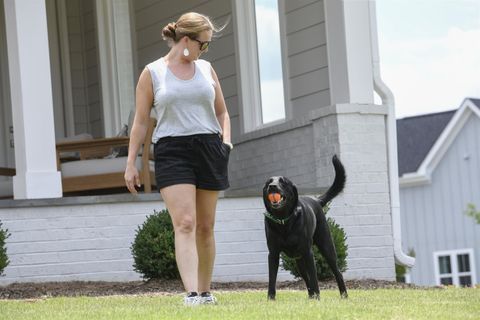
<point>229,144</point>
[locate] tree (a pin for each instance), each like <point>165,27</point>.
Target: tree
<point>472,212</point>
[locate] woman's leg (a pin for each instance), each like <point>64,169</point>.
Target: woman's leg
<point>206,207</point>
<point>180,202</point>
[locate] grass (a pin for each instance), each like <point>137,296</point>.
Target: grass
<point>433,304</point>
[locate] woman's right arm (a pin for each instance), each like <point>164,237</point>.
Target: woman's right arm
<point>144,101</point>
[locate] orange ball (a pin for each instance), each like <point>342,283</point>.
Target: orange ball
<point>274,197</point>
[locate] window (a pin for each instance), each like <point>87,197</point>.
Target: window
<point>259,29</point>
<point>455,267</point>
<point>270,60</point>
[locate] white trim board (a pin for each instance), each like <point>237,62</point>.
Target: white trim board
<point>436,153</point>
<point>247,64</point>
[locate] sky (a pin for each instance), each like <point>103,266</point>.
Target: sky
<point>429,53</point>
<point>270,60</point>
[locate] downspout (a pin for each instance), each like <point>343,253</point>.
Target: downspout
<point>388,100</point>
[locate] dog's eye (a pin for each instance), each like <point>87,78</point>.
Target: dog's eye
<point>281,180</point>
<point>269,181</point>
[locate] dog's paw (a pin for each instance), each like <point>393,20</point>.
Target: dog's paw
<point>315,296</point>
<point>344,295</point>
<point>271,297</point>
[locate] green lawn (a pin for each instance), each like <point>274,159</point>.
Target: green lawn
<point>430,304</point>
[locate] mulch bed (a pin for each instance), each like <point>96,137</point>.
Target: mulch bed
<point>78,288</point>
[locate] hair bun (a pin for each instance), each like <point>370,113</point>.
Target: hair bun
<point>169,31</point>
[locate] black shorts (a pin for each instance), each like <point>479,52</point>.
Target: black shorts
<point>201,160</point>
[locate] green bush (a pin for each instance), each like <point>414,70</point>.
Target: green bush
<point>323,270</point>
<point>153,249</point>
<point>3,250</point>
<point>401,271</point>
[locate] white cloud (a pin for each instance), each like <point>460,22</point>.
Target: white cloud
<point>432,74</point>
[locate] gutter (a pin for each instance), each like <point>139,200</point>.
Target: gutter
<point>388,100</point>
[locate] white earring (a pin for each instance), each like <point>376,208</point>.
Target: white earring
<point>186,53</point>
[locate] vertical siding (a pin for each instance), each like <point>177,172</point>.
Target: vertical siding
<point>433,216</point>
<point>307,56</point>
<point>84,66</point>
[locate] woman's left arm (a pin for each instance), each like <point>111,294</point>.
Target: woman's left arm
<point>221,110</point>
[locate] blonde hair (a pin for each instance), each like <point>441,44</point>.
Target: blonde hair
<point>190,24</point>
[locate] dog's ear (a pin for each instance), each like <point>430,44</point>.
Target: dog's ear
<point>295,191</point>
<point>293,186</point>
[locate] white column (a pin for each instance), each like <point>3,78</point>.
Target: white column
<point>31,95</point>
<point>349,51</point>
<point>116,62</point>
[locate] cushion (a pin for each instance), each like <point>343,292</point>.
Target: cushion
<point>98,166</point>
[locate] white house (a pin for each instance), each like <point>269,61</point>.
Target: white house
<point>439,168</point>
<point>70,67</point>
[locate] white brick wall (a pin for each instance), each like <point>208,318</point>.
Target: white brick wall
<point>365,213</point>
<point>92,241</point>
<point>286,153</point>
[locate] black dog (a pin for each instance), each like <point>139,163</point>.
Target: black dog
<point>293,224</point>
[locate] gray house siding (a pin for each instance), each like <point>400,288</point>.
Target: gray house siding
<point>307,60</point>
<point>83,45</point>
<point>433,216</point>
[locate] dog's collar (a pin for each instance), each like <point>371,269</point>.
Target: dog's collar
<point>280,221</point>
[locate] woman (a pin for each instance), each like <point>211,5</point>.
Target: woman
<point>191,146</point>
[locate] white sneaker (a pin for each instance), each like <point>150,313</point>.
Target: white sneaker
<point>191,300</point>
<point>207,298</point>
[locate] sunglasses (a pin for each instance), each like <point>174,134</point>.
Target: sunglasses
<point>203,44</point>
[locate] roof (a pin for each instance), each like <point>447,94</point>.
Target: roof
<point>416,136</point>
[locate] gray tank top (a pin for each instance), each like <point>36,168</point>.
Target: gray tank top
<point>183,107</point>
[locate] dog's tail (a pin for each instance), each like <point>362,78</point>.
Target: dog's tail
<point>338,183</point>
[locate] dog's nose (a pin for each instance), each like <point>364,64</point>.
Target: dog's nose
<point>273,187</point>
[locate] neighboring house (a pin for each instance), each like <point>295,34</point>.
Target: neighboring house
<point>69,67</point>
<point>439,169</point>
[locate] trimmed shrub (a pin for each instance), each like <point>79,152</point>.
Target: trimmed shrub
<point>153,249</point>
<point>3,250</point>
<point>323,270</point>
